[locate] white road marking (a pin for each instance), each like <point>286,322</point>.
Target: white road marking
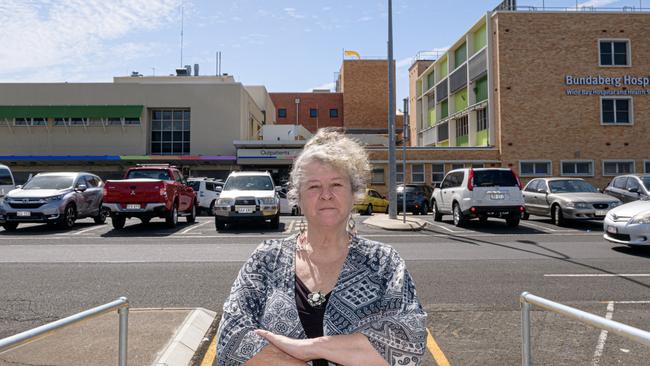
<point>528,224</point>
<point>600,275</point>
<point>87,230</point>
<point>632,302</point>
<point>598,353</point>
<point>193,227</point>
<point>289,227</point>
<point>445,228</point>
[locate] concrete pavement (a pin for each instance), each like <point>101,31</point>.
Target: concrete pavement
<point>382,221</point>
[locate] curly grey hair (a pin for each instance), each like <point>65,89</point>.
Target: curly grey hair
<point>335,149</point>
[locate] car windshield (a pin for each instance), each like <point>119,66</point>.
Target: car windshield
<point>49,182</point>
<point>195,184</point>
<point>490,178</point>
<point>148,173</point>
<point>248,183</point>
<point>5,178</point>
<point>409,189</point>
<point>570,186</point>
<point>646,182</point>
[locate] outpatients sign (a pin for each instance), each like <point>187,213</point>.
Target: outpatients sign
<point>582,82</point>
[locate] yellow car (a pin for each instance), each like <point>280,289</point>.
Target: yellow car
<point>372,202</point>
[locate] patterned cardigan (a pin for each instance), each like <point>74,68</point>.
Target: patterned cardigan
<point>374,295</point>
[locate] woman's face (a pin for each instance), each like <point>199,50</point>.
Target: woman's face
<point>326,197</point>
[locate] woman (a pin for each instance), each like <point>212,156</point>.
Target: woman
<point>324,294</point>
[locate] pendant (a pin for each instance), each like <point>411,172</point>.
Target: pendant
<point>315,299</point>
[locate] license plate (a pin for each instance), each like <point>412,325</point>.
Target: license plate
<point>133,206</point>
<point>23,213</point>
<point>612,230</point>
<point>497,196</point>
<point>245,210</point>
<point>601,212</point>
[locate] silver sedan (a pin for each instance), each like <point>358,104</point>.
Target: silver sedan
<point>629,224</point>
<point>565,199</point>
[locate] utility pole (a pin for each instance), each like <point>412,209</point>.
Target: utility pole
<point>392,179</point>
<point>405,136</point>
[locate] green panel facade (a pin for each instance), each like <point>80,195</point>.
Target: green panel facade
<point>460,100</point>
<point>482,138</point>
<point>419,87</point>
<point>480,39</point>
<point>444,109</point>
<point>460,55</point>
<point>443,143</point>
<point>443,69</point>
<point>431,81</point>
<point>462,141</point>
<point>432,116</point>
<point>72,111</point>
<point>481,89</point>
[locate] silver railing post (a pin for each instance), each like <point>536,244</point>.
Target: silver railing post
<point>525,330</point>
<point>124,333</point>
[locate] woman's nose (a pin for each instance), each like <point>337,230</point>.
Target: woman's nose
<point>326,194</point>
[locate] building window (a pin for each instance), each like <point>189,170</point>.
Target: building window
<point>437,172</point>
<point>611,168</point>
<point>417,173</point>
<point>30,122</point>
<point>443,132</point>
<point>535,168</point>
<point>334,113</point>
<point>282,113</point>
<point>400,173</point>
<point>578,168</point>
<point>616,110</point>
<point>457,166</point>
<point>481,119</point>
<point>377,176</point>
<point>477,166</point>
<point>646,166</point>
<point>170,132</point>
<point>462,127</point>
<point>614,53</point>
<point>313,112</point>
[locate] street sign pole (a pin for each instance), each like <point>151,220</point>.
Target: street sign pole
<point>392,180</point>
<point>405,137</point>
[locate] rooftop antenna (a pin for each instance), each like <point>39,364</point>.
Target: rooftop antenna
<point>181,65</point>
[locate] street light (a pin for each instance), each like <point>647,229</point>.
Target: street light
<point>392,175</point>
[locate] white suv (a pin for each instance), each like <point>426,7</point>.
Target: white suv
<point>247,196</point>
<point>207,192</point>
<point>479,193</point>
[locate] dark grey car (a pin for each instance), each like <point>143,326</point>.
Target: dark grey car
<point>566,199</point>
<point>630,187</point>
<point>54,198</point>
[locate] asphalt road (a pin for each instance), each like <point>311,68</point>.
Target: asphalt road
<point>469,280</point>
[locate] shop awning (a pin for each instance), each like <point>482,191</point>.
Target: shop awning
<point>71,111</point>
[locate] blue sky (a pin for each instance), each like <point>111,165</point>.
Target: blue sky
<point>286,45</point>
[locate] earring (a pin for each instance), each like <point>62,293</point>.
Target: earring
<point>352,226</point>
<point>302,226</point>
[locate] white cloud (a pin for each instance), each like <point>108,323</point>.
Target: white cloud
<point>65,35</point>
<point>329,86</point>
<point>405,62</point>
<point>292,12</point>
<point>596,3</point>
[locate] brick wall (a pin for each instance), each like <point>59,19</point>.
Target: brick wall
<point>323,102</point>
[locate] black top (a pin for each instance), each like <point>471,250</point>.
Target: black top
<point>311,318</point>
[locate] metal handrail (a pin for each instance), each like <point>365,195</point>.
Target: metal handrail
<point>527,299</point>
<point>121,304</point>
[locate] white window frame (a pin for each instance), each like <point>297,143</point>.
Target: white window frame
<point>602,123</point>
<point>398,173</point>
<point>550,168</point>
<point>423,173</point>
<point>383,175</point>
<point>628,51</point>
<point>618,161</point>
<point>562,162</point>
<point>443,172</point>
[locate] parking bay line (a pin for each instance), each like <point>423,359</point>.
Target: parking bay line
<point>85,231</point>
<point>436,352</point>
<point>194,227</point>
<point>600,346</point>
<point>528,224</point>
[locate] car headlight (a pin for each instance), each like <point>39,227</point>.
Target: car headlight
<point>615,204</point>
<point>226,201</point>
<point>577,204</point>
<point>53,198</point>
<point>268,201</point>
<point>642,218</point>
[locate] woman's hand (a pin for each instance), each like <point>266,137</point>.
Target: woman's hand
<point>302,349</point>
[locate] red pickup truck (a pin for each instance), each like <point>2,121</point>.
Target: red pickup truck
<point>149,191</point>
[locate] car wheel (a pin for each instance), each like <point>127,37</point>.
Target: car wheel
<point>459,218</point>
<point>387,209</point>
<point>275,222</point>
<point>369,209</point>
<point>101,215</point>
<point>172,216</point>
<point>219,224</point>
<point>69,217</point>
<point>295,211</point>
<point>437,216</point>
<point>211,212</point>
<point>10,226</point>
<point>192,217</point>
<point>425,209</point>
<point>483,219</point>
<point>118,222</point>
<point>145,220</point>
<point>557,216</point>
<point>525,216</point>
<point>512,221</point>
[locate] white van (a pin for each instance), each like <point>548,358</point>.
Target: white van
<point>7,182</point>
